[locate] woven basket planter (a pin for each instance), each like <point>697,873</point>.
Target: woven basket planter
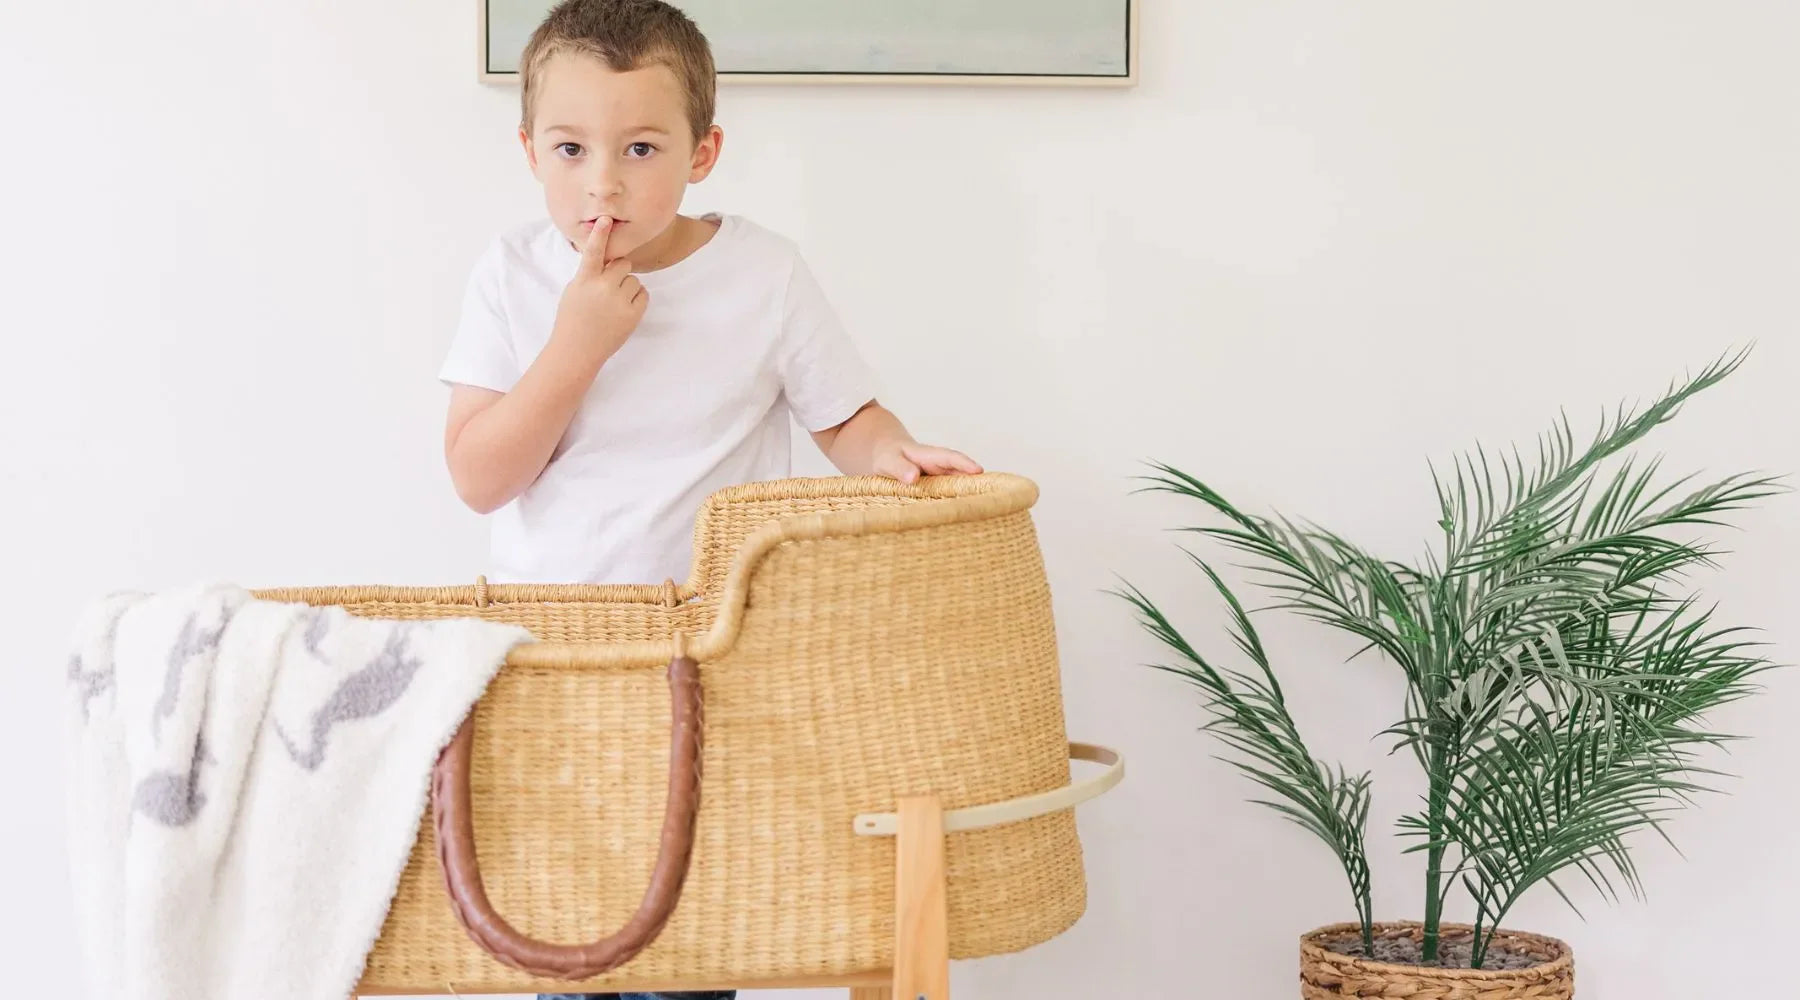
<point>1327,975</point>
<point>856,644</point>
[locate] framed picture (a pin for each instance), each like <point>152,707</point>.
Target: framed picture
<point>1060,42</point>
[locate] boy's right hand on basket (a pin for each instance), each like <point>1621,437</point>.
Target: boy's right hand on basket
<point>604,301</point>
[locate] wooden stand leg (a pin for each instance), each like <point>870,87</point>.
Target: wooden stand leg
<point>921,920</point>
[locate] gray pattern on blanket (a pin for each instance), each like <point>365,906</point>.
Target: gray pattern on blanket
<point>318,625</point>
<point>91,684</point>
<point>191,642</point>
<point>363,694</point>
<point>173,799</point>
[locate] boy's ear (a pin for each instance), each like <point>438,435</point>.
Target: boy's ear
<point>530,151</point>
<point>706,154</point>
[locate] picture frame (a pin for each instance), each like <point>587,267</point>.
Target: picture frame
<point>1099,62</point>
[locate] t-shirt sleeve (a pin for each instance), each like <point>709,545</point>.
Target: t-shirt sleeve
<point>482,352</point>
<point>823,375</point>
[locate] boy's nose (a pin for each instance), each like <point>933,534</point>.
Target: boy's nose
<point>605,183</point>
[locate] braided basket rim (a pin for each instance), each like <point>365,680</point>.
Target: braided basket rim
<point>1314,953</point>
<point>951,500</point>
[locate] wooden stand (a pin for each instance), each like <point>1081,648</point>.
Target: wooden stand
<point>921,923</point>
<point>921,918</point>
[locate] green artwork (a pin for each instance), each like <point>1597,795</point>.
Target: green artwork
<point>922,38</point>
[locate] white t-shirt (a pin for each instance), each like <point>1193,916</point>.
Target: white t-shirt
<point>737,337</point>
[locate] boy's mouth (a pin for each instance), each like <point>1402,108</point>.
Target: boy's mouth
<point>589,223</point>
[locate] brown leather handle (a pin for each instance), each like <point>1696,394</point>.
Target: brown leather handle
<point>455,825</point>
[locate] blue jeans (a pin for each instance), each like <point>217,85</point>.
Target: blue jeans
<point>708,995</point>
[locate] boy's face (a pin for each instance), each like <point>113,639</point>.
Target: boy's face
<point>614,144</point>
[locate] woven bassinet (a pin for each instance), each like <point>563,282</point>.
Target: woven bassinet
<point>858,640</point>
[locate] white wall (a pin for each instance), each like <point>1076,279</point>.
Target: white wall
<point>1321,243</point>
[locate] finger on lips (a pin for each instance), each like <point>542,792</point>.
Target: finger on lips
<point>595,248</point>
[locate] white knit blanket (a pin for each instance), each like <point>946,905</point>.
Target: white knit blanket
<point>247,779</point>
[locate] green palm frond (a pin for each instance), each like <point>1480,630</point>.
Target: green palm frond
<point>1615,551</point>
<point>1250,716</point>
<point>1483,518</point>
<point>1314,573</point>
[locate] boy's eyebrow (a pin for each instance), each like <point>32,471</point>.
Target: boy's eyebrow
<point>571,129</point>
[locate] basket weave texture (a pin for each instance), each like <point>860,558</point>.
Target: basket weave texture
<point>1327,975</point>
<point>859,640</point>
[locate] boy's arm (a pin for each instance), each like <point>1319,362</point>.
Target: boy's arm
<point>874,442</point>
<point>498,443</point>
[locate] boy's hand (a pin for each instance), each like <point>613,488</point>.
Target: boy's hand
<point>604,302</point>
<point>873,442</point>
<point>907,460</point>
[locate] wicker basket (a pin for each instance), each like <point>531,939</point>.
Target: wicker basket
<point>858,641</point>
<point>1327,975</point>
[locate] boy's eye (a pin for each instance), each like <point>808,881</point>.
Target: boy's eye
<point>569,148</point>
<point>639,149</point>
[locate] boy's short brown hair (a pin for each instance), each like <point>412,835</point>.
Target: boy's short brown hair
<point>627,35</point>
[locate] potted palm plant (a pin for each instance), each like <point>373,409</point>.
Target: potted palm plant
<point>1557,678</point>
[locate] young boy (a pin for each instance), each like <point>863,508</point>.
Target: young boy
<point>619,362</point>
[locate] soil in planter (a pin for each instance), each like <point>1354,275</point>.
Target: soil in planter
<point>1452,953</point>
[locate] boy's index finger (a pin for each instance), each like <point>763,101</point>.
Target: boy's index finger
<point>598,237</point>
